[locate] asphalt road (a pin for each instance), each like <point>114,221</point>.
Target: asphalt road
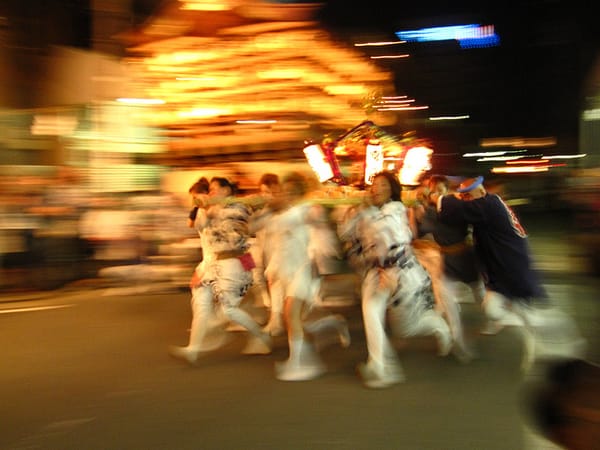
<point>90,370</point>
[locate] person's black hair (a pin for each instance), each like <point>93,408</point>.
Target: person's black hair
<point>298,181</point>
<point>224,182</point>
<point>395,186</point>
<point>436,179</point>
<point>200,187</point>
<point>269,179</point>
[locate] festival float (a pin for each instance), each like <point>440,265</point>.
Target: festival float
<point>348,163</point>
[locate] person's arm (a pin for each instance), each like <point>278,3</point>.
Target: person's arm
<point>259,219</point>
<point>201,219</point>
<point>317,215</point>
<point>346,225</point>
<point>412,222</point>
<point>192,216</point>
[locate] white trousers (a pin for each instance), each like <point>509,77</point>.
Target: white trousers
<point>452,289</point>
<point>449,288</point>
<point>225,281</point>
<point>548,333</point>
<point>410,307</point>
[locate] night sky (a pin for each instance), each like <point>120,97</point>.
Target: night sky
<point>533,84</point>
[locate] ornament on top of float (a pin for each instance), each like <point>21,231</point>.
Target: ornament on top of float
<point>365,150</point>
<point>373,160</point>
<point>318,161</point>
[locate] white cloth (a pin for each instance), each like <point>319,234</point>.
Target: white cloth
<point>224,228</point>
<point>298,238</point>
<point>375,233</point>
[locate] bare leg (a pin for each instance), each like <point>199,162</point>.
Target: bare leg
<point>275,325</point>
<point>452,313</point>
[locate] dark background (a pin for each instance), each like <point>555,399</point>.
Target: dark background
<point>533,84</point>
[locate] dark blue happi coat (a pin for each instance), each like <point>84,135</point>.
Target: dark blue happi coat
<point>501,244</point>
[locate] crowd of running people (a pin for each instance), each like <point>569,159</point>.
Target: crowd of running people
<point>410,257</point>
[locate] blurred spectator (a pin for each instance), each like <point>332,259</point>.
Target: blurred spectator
<point>58,247</point>
<point>64,198</point>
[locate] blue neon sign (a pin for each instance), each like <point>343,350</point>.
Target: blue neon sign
<point>468,36</point>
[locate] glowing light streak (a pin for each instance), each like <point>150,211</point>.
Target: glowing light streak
<point>164,60</point>
<point>278,74</point>
<point>392,102</point>
<point>141,101</point>
<point>582,155</point>
<point>204,5</point>
<point>521,169</point>
<point>195,78</point>
<point>498,158</point>
<point>346,90</point>
<point>518,142</point>
<point>379,44</point>
<point>450,117</point>
<point>390,56</point>
<point>528,161</point>
<point>33,309</point>
<point>55,125</point>
<point>255,121</point>
<point>204,112</point>
<point>186,84</point>
<point>403,108</point>
<point>526,169</point>
<point>498,153</point>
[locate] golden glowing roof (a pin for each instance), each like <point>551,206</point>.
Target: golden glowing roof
<point>251,76</point>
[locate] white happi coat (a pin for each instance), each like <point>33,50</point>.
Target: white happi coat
<point>381,241</point>
<point>225,229</point>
